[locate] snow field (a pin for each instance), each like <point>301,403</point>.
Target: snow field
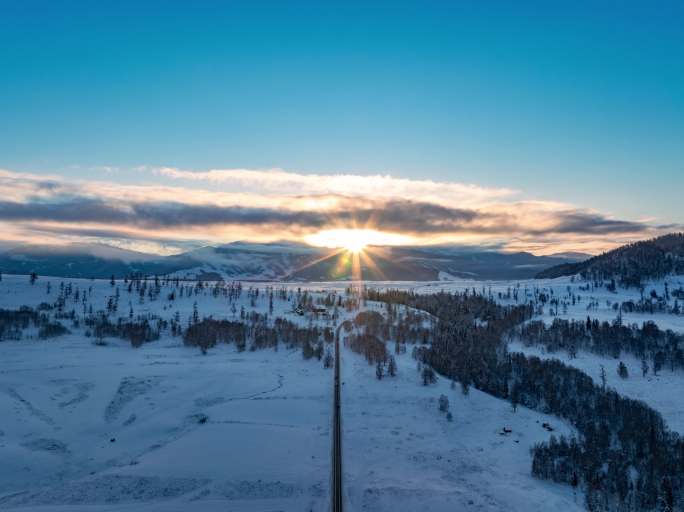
<point>112,428</point>
<point>401,453</point>
<point>87,426</point>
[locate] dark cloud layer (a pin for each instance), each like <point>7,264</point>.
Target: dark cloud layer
<point>592,223</point>
<point>394,215</point>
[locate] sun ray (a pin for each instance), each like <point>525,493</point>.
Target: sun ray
<point>368,260</point>
<point>384,253</point>
<point>317,260</point>
<point>356,266</point>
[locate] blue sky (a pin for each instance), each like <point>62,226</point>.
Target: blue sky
<point>579,102</point>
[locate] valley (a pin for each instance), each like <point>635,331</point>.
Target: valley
<point>92,423</point>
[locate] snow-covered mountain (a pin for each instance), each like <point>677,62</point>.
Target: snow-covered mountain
<point>84,260</point>
<point>278,261</point>
<point>249,261</point>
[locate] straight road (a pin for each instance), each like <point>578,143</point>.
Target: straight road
<point>336,494</point>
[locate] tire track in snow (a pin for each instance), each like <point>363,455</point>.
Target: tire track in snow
<point>129,389</point>
<point>33,411</point>
<point>189,425</point>
<point>211,402</point>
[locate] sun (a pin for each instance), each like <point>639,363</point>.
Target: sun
<point>355,240</point>
<point>354,245</point>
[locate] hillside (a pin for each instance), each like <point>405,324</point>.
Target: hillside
<point>87,261</point>
<point>630,264</point>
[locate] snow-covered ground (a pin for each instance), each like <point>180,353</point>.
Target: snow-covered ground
<point>164,428</point>
<point>161,427</point>
<point>401,453</point>
<point>663,392</point>
<point>595,302</point>
<point>115,426</point>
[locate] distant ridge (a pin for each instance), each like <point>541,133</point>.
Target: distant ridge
<point>630,264</point>
<point>86,260</point>
<point>281,261</point>
<point>571,255</point>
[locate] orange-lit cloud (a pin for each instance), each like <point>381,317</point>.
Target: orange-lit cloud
<point>172,208</point>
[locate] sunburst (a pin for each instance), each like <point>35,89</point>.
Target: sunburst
<point>355,240</point>
<point>354,248</point>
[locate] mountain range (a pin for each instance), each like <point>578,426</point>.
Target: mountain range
<point>281,261</point>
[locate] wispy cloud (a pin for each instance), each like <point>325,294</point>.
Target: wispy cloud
<point>280,182</point>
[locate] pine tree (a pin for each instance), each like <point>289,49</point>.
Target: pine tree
<point>515,397</point>
<point>428,376</point>
<point>443,403</point>
<point>195,313</point>
<point>392,366</point>
<point>622,370</point>
<point>603,377</point>
<point>666,496</point>
<point>328,360</point>
<point>379,371</point>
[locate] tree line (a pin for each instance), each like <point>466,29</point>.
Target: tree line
<point>256,332</point>
<point>13,323</point>
<point>655,347</point>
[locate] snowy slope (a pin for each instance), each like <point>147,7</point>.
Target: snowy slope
<point>264,443</point>
<point>239,261</point>
<point>401,453</point>
<point>662,392</point>
<point>87,427</point>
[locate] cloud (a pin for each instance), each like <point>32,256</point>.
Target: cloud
<point>279,182</point>
<point>582,222</point>
<point>397,215</point>
<point>275,204</point>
